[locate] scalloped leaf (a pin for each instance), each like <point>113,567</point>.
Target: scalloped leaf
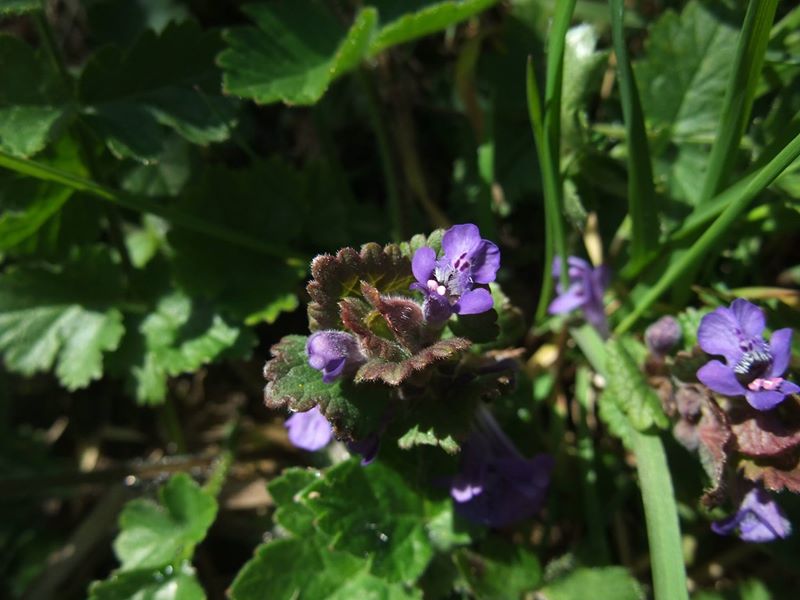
<point>354,410</point>
<point>395,373</point>
<point>177,584</point>
<point>335,278</point>
<point>127,101</point>
<point>58,316</point>
<point>153,535</point>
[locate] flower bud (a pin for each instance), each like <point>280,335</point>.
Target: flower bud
<point>663,335</point>
<point>332,352</point>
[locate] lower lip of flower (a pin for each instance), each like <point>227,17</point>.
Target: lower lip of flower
<point>765,384</point>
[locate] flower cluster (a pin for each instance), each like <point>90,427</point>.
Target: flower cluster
<point>585,291</point>
<point>752,368</point>
<point>387,339</point>
<point>746,366</point>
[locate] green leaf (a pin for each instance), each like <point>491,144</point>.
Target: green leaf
<point>628,387</point>
<point>500,570</point>
<point>25,206</point>
<point>291,513</point>
<point>32,100</point>
<point>642,200</point>
<point>180,337</point>
<point>167,584</point>
<point>606,582</point>
<point>294,53</point>
<point>373,511</point>
<point>354,410</point>
<point>267,201</point>
<point>306,568</point>
<point>154,535</point>
<point>166,175</point>
<point>432,16</point>
<point>62,316</point>
<point>127,101</point>
<point>687,64</point>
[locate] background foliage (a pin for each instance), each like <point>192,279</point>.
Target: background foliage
<point>169,169</point>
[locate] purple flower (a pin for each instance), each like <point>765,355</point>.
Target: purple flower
<point>585,291</point>
<point>332,352</point>
<point>759,519</point>
<point>309,430</point>
<point>752,367</point>
<point>496,485</point>
<point>663,335</point>
<point>449,282</point>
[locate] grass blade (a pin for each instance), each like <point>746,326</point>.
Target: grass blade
<point>714,234</point>
<point>739,94</point>
<point>145,205</point>
<point>642,206</point>
<point>546,127</point>
<point>660,509</point>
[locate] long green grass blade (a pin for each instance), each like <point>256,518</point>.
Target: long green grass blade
<point>739,94</point>
<point>660,509</point>
<point>145,205</point>
<point>642,207</point>
<point>715,233</point>
<point>546,125</point>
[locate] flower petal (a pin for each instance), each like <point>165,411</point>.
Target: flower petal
<point>309,430</point>
<point>787,387</point>
<point>720,378</point>
<point>570,300</point>
<point>749,316</point>
<point>780,346</point>
<point>485,262</point>
<point>474,302</point>
<point>460,239</point>
<point>761,519</point>
<point>764,399</point>
<point>717,335</point>
<point>423,263</point>
<point>436,309</point>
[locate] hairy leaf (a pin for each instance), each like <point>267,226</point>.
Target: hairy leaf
<point>395,373</point>
<point>153,535</point>
<point>60,316</point>
<point>340,276</point>
<point>354,410</point>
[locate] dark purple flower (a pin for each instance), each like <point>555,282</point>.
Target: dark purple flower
<point>663,335</point>
<point>496,485</point>
<point>585,291</point>
<point>367,447</point>
<point>449,282</point>
<point>759,519</point>
<point>752,367</point>
<point>309,430</point>
<point>332,352</point>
